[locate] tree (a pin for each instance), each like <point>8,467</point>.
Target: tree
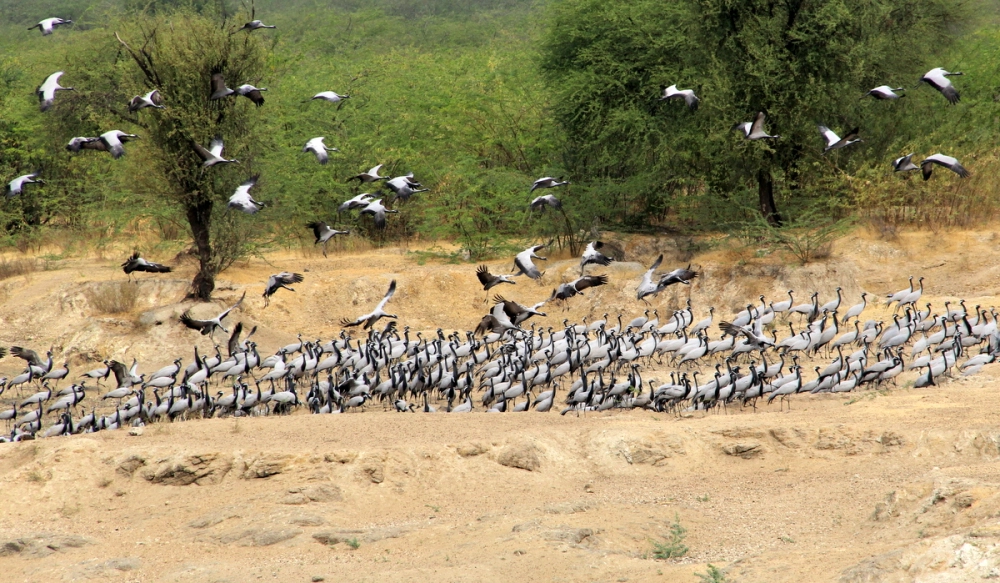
<point>177,53</point>
<point>801,62</point>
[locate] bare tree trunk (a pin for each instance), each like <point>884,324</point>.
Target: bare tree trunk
<point>765,193</point>
<point>200,218</point>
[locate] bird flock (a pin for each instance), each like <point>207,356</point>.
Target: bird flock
<point>506,363</point>
<point>511,363</point>
<point>754,130</point>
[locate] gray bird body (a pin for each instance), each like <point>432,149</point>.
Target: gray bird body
<point>47,25</point>
<point>241,199</point>
<point>324,233</point>
<point>687,95</point>
<point>317,147</point>
<point>755,130</point>
<point>884,92</point>
<point>16,186</point>
<point>524,265</point>
<point>151,99</point>
<point>927,165</point>
<point>279,281</point>
<point>47,90</point>
<point>835,142</point>
<point>938,79</point>
<point>904,164</point>
<point>114,140</point>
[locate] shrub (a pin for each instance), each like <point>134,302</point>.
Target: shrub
<point>712,575</point>
<point>15,267</point>
<point>673,546</point>
<point>119,297</point>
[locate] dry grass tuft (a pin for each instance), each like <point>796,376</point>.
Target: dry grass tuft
<point>15,267</point>
<point>119,297</point>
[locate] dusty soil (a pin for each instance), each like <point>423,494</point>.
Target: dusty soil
<point>897,485</point>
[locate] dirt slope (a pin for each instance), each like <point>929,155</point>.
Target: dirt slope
<point>901,485</point>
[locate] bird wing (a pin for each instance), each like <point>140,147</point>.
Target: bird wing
<point>113,144</point>
<point>733,329</point>
<point>26,354</point>
<point>52,80</point>
<point>219,89</point>
<point>94,144</point>
<point>592,255</point>
<point>216,147</point>
<point>487,324</point>
<point>288,278</point>
<point>313,145</point>
<point>512,309</point>
<point>589,281</point>
<point>484,275</point>
<point>851,135</point>
<point>349,323</point>
<point>121,374</point>
<point>374,171</point>
<point>244,189</point>
<point>937,80</point>
<point>134,257</point>
<point>647,278</point>
<point>319,229</point>
<point>234,339</point>
<point>203,326</point>
<point>527,267</point>
<point>500,315</point>
<point>202,152</point>
<point>959,169</point>
<point>540,183</point>
<point>388,296</point>
<point>150,267</point>
<point>828,135</point>
<point>950,93</point>
<point>927,167</point>
<point>758,123</point>
<point>255,97</point>
<point>233,307</point>
<point>244,204</point>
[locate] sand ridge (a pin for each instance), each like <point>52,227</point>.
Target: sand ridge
<point>893,485</point>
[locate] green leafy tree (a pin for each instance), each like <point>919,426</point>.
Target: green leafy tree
<point>802,63</point>
<point>177,53</point>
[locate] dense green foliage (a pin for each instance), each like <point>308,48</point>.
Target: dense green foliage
<point>801,62</point>
<point>454,100</point>
<point>480,98</point>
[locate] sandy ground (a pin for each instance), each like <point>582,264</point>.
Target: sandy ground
<point>896,485</point>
